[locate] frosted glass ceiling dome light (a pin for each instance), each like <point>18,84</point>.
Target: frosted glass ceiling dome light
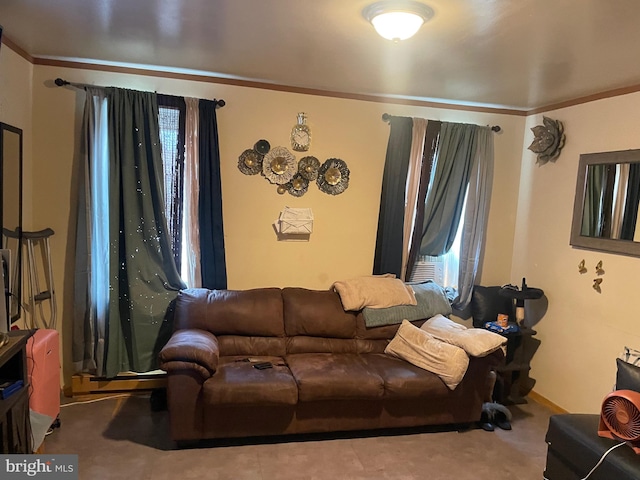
<point>397,20</point>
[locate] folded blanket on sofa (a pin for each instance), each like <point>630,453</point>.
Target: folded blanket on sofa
<point>377,291</point>
<point>431,300</point>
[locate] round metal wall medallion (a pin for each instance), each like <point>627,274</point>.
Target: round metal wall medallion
<point>279,165</point>
<point>262,147</point>
<point>298,185</point>
<point>333,176</point>
<point>308,167</point>
<point>250,162</point>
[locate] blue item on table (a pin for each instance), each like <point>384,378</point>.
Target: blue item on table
<point>494,327</point>
<point>8,388</point>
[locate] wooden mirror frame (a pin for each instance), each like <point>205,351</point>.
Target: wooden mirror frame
<point>16,259</point>
<point>623,247</point>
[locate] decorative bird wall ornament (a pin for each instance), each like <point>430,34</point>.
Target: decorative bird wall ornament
<point>549,140</point>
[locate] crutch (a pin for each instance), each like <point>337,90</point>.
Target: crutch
<point>36,296</point>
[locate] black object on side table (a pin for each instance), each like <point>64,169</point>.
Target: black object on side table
<point>15,425</point>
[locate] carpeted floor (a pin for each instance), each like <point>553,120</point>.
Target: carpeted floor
<point>122,438</point>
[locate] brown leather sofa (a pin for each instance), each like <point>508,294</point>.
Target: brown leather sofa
<point>330,372</point>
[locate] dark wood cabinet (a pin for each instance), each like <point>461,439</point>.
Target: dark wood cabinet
<point>15,425</point>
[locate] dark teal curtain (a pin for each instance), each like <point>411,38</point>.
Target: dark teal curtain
<point>212,254</point>
<point>91,304</point>
<point>592,214</point>
<point>142,270</point>
<point>476,215</point>
<point>388,252</point>
<point>445,199</point>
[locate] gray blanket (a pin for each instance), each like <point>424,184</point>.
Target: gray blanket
<point>431,297</point>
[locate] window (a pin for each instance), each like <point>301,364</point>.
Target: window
<point>171,120</point>
<point>443,270</point>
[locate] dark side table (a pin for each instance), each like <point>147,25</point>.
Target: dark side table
<point>15,425</point>
<point>520,349</point>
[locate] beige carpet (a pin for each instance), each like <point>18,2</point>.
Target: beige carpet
<point>122,438</point>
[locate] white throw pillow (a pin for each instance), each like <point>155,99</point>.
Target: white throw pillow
<point>423,350</point>
<point>477,342</point>
<point>631,356</point>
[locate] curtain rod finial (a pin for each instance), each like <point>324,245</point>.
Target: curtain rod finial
<point>221,103</point>
<point>496,128</point>
<point>60,82</point>
<point>386,117</point>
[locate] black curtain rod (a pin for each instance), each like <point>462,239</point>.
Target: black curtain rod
<point>61,83</point>
<point>386,118</point>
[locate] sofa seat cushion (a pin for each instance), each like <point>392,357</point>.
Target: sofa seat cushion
<point>334,376</point>
<point>404,380</point>
<point>237,382</point>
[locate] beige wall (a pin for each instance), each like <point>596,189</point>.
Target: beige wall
<point>580,334</point>
<point>343,241</point>
<point>16,110</point>
<point>583,331</point>
<point>15,89</point>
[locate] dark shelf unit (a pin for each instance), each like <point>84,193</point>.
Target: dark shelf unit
<point>517,365</point>
<point>15,425</point>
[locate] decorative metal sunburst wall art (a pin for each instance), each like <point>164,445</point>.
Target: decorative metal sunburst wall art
<point>308,168</point>
<point>250,162</point>
<point>549,140</point>
<point>298,185</point>
<point>278,165</point>
<point>333,176</point>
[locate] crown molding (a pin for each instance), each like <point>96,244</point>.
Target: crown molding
<point>271,86</point>
<point>616,92</point>
<point>16,48</point>
<point>313,91</point>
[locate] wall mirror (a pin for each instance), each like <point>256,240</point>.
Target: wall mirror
<point>605,211</point>
<point>11,212</point>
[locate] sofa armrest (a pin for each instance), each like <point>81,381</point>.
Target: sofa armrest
<point>497,358</point>
<point>192,349</point>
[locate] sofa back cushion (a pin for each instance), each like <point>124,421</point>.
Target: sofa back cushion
<point>256,312</point>
<point>251,346</point>
<point>305,344</point>
<point>316,313</point>
<point>271,321</point>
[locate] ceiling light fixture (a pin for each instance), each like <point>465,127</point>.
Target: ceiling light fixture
<point>397,20</point>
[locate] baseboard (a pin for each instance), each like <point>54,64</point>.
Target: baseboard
<point>539,399</point>
<point>86,384</point>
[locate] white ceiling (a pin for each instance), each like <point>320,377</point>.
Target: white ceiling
<point>521,54</point>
